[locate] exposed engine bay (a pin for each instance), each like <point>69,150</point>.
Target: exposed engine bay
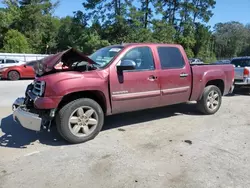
<point>69,60</point>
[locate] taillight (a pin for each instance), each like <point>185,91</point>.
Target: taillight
<point>245,73</point>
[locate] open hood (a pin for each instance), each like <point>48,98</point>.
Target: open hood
<point>67,58</point>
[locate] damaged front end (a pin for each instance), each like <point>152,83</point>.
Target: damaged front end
<point>61,61</point>
<point>25,113</point>
<point>29,110</point>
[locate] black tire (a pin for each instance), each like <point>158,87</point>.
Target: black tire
<point>63,116</point>
<point>13,75</point>
<point>202,103</point>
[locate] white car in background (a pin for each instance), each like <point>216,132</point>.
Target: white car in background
<point>195,61</point>
<point>9,62</point>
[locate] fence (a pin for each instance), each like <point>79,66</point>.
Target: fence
<point>22,57</point>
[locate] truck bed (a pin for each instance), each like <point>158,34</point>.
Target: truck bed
<point>202,72</point>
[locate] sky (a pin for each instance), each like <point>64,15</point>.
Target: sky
<point>225,10</point>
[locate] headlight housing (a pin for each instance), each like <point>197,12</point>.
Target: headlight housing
<point>3,69</point>
<point>39,88</point>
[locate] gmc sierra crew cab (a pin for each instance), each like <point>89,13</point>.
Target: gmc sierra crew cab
<point>116,79</point>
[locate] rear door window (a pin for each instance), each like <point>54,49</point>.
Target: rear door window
<point>170,58</point>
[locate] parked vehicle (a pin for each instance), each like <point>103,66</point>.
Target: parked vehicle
<point>113,80</point>
<point>9,62</point>
<point>226,61</point>
<point>242,72</point>
<point>195,61</point>
<point>18,71</point>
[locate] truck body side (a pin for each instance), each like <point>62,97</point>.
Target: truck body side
<point>134,90</point>
<point>140,76</point>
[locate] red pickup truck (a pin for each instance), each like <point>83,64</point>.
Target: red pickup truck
<point>116,79</point>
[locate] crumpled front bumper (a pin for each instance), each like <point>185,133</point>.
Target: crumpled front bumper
<point>26,119</point>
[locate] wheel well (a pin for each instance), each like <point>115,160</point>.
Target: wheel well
<point>218,83</point>
<point>97,96</point>
<point>13,71</point>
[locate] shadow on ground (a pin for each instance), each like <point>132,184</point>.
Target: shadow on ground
<point>239,92</point>
<point>15,136</point>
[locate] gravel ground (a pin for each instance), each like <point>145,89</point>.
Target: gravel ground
<point>168,147</point>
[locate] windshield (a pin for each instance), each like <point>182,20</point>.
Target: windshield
<point>105,55</point>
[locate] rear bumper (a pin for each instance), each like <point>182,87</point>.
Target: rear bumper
<point>244,83</point>
<point>26,119</point>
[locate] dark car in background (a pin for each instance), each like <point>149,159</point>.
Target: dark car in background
<point>225,61</point>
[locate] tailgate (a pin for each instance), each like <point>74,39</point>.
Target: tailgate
<point>238,73</point>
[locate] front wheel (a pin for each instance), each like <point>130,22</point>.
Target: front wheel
<point>80,120</point>
<point>210,101</point>
<point>13,75</point>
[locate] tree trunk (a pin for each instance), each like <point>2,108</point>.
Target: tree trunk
<point>146,14</point>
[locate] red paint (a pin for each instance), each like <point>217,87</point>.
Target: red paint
<point>138,90</point>
<point>24,71</point>
<point>246,72</point>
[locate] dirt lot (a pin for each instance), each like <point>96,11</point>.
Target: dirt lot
<point>142,149</point>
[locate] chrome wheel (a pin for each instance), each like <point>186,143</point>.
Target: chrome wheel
<point>83,121</point>
<point>213,100</point>
<point>13,75</point>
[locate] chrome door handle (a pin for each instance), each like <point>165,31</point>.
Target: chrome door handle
<point>182,75</point>
<point>152,78</point>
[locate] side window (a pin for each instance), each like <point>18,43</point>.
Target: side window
<point>142,56</point>
<point>1,61</point>
<point>10,61</point>
<point>170,57</point>
<point>31,64</point>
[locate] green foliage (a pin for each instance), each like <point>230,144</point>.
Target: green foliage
<point>30,26</point>
<point>232,39</point>
<point>92,42</point>
<point>15,42</point>
<point>163,32</point>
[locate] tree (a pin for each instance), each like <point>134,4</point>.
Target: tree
<point>36,23</point>
<point>9,17</point>
<point>15,42</point>
<point>163,32</point>
<point>230,38</point>
<point>202,10</point>
<point>168,9</point>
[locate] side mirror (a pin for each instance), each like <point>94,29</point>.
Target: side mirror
<point>126,65</point>
<point>24,66</point>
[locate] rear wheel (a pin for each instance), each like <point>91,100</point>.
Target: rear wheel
<point>13,75</point>
<point>80,120</point>
<point>211,100</point>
